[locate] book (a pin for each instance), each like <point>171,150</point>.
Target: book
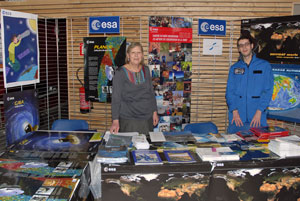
<point>179,156</point>
<point>217,154</point>
<point>118,141</point>
<point>231,137</point>
<point>180,136</point>
<point>112,155</point>
<point>157,137</point>
<point>97,137</point>
<point>269,132</point>
<point>146,157</point>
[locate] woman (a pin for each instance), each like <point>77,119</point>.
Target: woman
<point>134,106</point>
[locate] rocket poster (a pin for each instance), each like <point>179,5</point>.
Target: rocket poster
<point>170,63</point>
<point>21,114</point>
<point>102,55</point>
<point>19,34</point>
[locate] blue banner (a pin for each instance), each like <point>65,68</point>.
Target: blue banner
<point>109,24</point>
<point>211,27</point>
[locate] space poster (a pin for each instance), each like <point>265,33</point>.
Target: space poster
<point>170,63</point>
<point>21,113</point>
<point>102,55</point>
<point>19,34</point>
<point>277,40</point>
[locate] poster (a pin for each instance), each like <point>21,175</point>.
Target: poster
<point>170,63</point>
<point>277,38</point>
<point>19,33</point>
<point>21,113</point>
<point>285,103</point>
<point>278,41</point>
<point>101,56</point>
<point>55,141</point>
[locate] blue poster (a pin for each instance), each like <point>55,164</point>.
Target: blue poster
<point>285,103</point>
<point>19,33</point>
<point>21,114</point>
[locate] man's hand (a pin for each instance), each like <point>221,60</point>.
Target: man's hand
<point>155,118</point>
<point>256,119</point>
<point>115,126</point>
<point>236,118</point>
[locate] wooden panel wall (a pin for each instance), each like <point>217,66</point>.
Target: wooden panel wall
<point>209,72</point>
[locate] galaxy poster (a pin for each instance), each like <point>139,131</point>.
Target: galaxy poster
<point>170,63</point>
<point>21,113</point>
<point>285,103</point>
<point>19,34</point>
<point>102,55</point>
<point>277,38</point>
<point>57,142</point>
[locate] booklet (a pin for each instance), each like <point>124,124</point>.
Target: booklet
<point>146,157</point>
<point>179,156</point>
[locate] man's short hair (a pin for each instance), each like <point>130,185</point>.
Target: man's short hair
<point>247,37</point>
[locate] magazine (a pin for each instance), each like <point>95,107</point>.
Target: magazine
<point>179,156</point>
<point>146,157</point>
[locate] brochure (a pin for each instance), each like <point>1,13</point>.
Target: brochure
<point>179,156</point>
<point>146,157</point>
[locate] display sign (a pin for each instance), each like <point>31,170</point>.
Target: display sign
<point>211,27</point>
<point>19,34</point>
<point>105,24</point>
<point>170,63</point>
<point>101,56</point>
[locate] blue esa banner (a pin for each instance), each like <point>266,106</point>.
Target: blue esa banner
<point>211,27</point>
<point>109,24</point>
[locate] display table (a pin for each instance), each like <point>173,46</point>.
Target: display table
<point>240,180</point>
<point>48,165</point>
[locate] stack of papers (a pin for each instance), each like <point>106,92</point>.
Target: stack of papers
<point>285,146</point>
<point>140,142</point>
<point>217,154</point>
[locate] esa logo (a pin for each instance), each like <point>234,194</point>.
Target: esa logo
<point>96,25</point>
<point>104,24</point>
<point>205,27</point>
<point>212,27</point>
<point>7,13</point>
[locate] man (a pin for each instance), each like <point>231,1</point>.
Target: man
<point>249,89</point>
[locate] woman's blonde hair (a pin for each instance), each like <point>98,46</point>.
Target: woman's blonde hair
<point>130,47</point>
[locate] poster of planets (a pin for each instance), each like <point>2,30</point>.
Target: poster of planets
<point>19,34</point>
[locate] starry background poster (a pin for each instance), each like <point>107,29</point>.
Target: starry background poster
<point>21,114</point>
<point>19,33</point>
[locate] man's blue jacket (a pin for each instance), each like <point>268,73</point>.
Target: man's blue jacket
<point>249,88</point>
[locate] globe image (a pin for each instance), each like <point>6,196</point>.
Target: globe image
<point>286,93</point>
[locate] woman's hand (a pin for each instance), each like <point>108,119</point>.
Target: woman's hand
<point>115,126</point>
<point>155,118</point>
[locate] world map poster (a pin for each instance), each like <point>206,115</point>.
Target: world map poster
<point>19,34</point>
<point>170,63</point>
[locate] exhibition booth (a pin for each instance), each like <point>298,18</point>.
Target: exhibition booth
<point>184,158</point>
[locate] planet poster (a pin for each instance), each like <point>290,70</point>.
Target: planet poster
<point>21,113</point>
<point>102,55</point>
<point>285,102</point>
<point>19,34</point>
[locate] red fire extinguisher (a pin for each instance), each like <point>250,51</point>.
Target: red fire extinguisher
<point>85,106</point>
